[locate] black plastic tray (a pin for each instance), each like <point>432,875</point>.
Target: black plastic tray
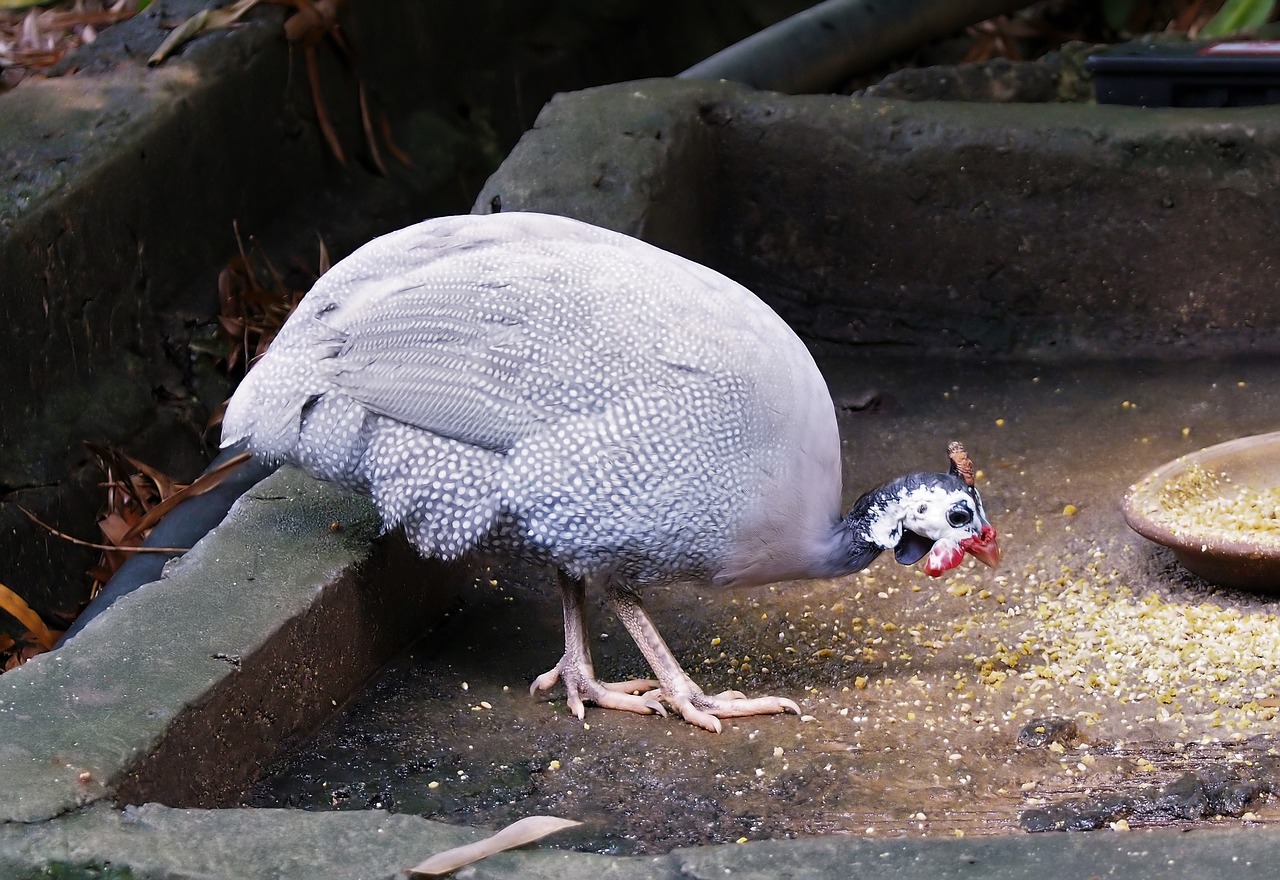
<point>1231,73</point>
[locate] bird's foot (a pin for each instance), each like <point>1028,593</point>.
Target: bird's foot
<point>706,710</point>
<point>581,686</point>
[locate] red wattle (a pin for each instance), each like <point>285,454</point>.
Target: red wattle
<point>942,558</point>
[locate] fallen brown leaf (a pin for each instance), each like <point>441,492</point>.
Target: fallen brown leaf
<point>163,483</point>
<point>518,833</point>
<point>72,539</point>
<point>34,39</point>
<point>205,482</point>
<point>138,497</point>
<point>254,301</point>
<point>322,110</point>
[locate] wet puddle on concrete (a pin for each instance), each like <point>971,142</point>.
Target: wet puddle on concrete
<point>914,690</point>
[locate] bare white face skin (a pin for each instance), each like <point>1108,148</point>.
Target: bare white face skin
<point>931,511</point>
<point>945,514</point>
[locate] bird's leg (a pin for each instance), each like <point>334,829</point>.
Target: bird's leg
<point>577,672</point>
<point>677,688</point>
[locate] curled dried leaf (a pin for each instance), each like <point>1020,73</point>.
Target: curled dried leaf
<point>203,21</point>
<point>519,833</point>
<point>312,21</point>
<point>254,301</point>
<point>36,34</point>
<point>205,482</point>
<point>138,497</point>
<point>17,607</point>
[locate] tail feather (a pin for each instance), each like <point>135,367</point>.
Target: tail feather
<point>272,434</point>
<point>267,412</point>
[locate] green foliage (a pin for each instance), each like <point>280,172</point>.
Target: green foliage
<point>1239,15</point>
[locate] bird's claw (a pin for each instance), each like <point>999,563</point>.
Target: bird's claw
<point>706,711</point>
<point>581,687</point>
<point>545,682</point>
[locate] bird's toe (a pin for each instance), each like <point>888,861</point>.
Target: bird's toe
<point>734,704</point>
<point>631,686</point>
<point>544,682</point>
<point>581,687</point>
<point>605,697</point>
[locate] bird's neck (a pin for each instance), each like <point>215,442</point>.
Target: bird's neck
<point>872,525</point>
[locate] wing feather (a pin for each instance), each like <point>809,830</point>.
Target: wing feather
<point>450,359</point>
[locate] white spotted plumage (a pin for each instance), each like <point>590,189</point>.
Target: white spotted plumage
<point>533,385</point>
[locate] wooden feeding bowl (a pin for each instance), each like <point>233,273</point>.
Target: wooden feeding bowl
<point>1241,557</point>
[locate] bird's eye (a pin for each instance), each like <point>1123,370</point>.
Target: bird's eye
<point>959,516</point>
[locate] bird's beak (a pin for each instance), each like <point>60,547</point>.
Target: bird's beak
<point>983,547</point>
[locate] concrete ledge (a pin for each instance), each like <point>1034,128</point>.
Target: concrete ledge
<point>161,843</point>
<point>98,229</point>
<point>938,227</point>
<point>185,687</point>
<point>635,157</point>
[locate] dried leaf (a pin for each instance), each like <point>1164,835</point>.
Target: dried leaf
<point>136,501</point>
<point>81,543</point>
<point>232,326</point>
<point>33,39</point>
<point>384,124</point>
<point>1190,17</point>
<point>518,833</point>
<point>251,312</point>
<point>215,419</point>
<point>204,483</point>
<point>19,609</point>
<point>202,21</point>
<point>323,262</point>
<point>370,136</point>
<point>307,27</point>
<point>179,36</point>
<point>114,527</point>
<point>312,20</point>
<point>163,483</point>
<point>317,101</point>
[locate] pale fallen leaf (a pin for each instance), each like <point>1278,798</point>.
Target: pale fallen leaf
<point>518,833</point>
<point>202,21</point>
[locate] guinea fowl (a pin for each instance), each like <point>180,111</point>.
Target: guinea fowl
<point>534,386</point>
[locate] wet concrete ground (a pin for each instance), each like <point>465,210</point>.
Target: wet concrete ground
<point>914,690</point>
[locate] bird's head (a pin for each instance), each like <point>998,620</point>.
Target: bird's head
<point>934,516</point>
